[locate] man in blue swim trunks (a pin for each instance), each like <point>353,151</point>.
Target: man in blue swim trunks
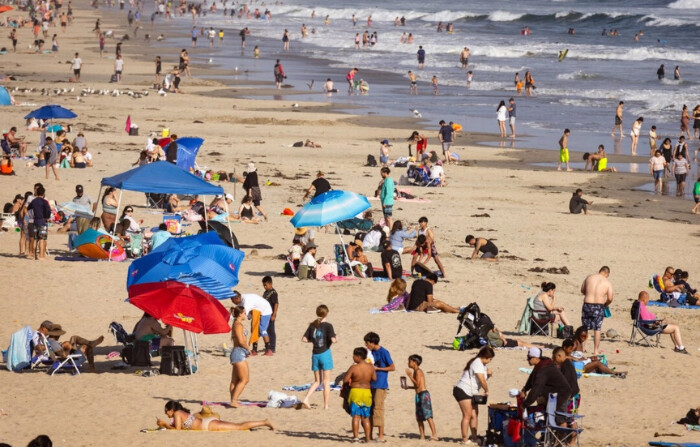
<point>598,294</point>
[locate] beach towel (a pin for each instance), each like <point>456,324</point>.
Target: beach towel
<point>75,259</point>
<point>332,277</point>
<point>529,370</point>
<point>524,324</point>
<point>306,386</point>
<point>254,327</point>
<point>18,355</point>
<point>245,403</point>
<point>674,444</point>
<point>660,304</point>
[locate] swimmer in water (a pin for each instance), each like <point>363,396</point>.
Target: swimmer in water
<point>470,78</point>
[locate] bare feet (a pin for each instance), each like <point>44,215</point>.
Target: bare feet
<point>234,405</point>
<point>559,168</point>
<point>434,438</point>
<point>268,423</point>
<point>569,170</point>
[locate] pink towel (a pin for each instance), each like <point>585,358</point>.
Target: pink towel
<point>332,277</point>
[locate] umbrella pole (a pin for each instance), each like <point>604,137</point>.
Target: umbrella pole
<point>187,349</point>
<point>342,244</point>
<point>119,204</point>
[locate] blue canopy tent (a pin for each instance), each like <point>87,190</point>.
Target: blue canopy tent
<point>160,177</point>
<point>187,148</point>
<point>4,97</point>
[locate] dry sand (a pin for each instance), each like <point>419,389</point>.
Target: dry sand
<point>528,219</point>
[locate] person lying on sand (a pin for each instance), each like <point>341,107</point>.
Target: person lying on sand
<point>181,418</point>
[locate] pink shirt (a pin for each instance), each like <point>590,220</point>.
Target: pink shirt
<point>644,313</point>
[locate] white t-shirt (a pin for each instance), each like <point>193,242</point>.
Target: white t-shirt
<point>77,62</point>
<point>501,113</point>
<point>252,302</point>
<point>436,171</point>
<point>308,260</point>
<point>657,163</point>
<point>87,156</point>
<point>118,64</point>
<point>133,225</point>
<point>468,382</point>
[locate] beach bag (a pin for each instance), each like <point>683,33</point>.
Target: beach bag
<point>173,361</point>
<point>565,332</point>
<point>137,354</point>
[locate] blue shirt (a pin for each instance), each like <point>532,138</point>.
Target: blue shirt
<point>398,237</point>
<point>158,238</point>
<point>382,359</point>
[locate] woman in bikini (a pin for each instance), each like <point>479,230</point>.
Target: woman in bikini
<point>183,419</point>
<point>240,374</point>
<point>574,349</point>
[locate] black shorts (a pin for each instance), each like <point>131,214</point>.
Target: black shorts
<point>194,39</point>
<point>618,121</point>
<point>511,343</point>
<point>680,178</point>
<point>459,394</point>
<point>41,233</point>
<point>76,71</point>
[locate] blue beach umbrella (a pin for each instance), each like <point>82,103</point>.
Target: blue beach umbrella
<point>330,207</point>
<point>50,111</point>
<point>202,260</point>
<point>4,97</point>
<point>187,148</point>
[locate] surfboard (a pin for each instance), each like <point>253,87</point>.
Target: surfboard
<point>563,54</point>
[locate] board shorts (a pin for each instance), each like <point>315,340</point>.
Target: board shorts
<point>697,199</point>
<point>360,400</point>
<point>322,361</point>
<point>563,155</point>
<point>446,146</point>
<point>76,71</point>
<point>511,120</point>
<point>41,232</point>
<point>602,164</point>
<point>388,210</point>
<point>238,355</point>
<point>592,316</point>
<point>618,120</point>
<point>424,406</point>
<point>264,324</point>
<point>658,175</point>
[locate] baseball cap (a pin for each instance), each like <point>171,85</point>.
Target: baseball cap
<point>386,142</point>
<point>534,353</point>
<point>229,197</point>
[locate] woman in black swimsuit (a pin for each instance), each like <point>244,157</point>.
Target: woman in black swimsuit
<point>245,212</point>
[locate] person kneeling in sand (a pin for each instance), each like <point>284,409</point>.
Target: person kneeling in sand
<point>180,418</point>
<point>598,161</point>
<point>486,247</point>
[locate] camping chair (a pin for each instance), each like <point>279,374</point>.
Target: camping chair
<point>556,435</point>
<point>155,200</point>
<point>649,331</point>
<point>343,266</point>
<point>71,363</point>
<point>541,323</point>
<point>137,246</point>
<point>7,149</point>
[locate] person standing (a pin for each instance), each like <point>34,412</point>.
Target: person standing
<point>82,222</point>
<point>464,58</point>
<point>653,139</point>
<point>696,196</point>
<point>118,67</point>
<point>285,41</point>
<point>270,295</point>
<point>244,32</point>
<point>41,211</point>
<point>171,150</point>
<point>255,303</point>
<point>413,84</point>
<point>387,195</point>
<point>598,294</point>
<point>635,133</point>
<point>50,156</point>
<point>424,230</point>
<point>359,398</point>
<point>158,70</point>
<point>423,402</point>
<point>511,116</point>
<point>657,167</point>
<point>618,119</point>
<point>318,186</point>
<point>383,364</point>
<point>473,379</point>
<point>13,38</point>
<point>76,64</point>
<point>252,188</point>
<point>501,112</point>
<point>279,74</point>
<point>446,135</point>
<point>240,374</point>
<point>564,150</point>
<point>322,335</point>
<point>660,73</point>
<point>421,57</point>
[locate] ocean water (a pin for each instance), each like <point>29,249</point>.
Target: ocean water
<point>579,93</point>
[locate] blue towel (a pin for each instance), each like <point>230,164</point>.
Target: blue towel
<point>660,304</point>
<point>18,356</point>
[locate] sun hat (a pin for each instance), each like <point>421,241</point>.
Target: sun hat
<point>301,231</point>
<point>206,413</point>
<point>251,167</point>
<point>55,330</point>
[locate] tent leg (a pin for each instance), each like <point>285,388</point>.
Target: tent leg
<point>119,204</point>
<point>342,244</point>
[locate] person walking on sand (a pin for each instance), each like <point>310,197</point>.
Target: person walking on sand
<point>424,405</point>
<point>446,135</point>
<point>240,374</point>
<point>564,151</point>
<point>657,167</point>
<point>322,335</point>
<point>618,119</point>
<point>358,378</point>
<point>598,294</point>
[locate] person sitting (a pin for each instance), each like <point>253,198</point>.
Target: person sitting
<point>397,298</point>
<point>175,205</point>
<point>543,304</point>
<point>421,298</point>
<point>681,279</point>
<point>245,212</point>
<point>6,166</point>
<point>16,142</point>
<point>143,160</point>
<point>574,348</point>
<point>65,156</point>
<point>568,370</point>
<point>668,328</point>
<point>498,340</point>
<point>148,329</point>
<point>307,266</point>
<point>159,236</point>
<point>545,379</point>
<point>360,264</point>
<point>391,262</point>
<point>77,344</point>
<point>578,203</point>
<point>129,224</point>
<point>437,175</point>
<point>77,160</point>
<point>87,156</point>
<point>305,235</point>
<point>485,246</point>
<point>671,289</point>
<point>180,418</point>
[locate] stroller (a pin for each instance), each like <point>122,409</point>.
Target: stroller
<point>477,325</point>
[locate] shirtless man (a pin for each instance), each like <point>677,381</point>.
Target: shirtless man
<point>618,119</point>
<point>464,57</point>
<point>17,142</point>
<point>564,150</point>
<point>148,328</point>
<point>598,294</point>
<point>669,285</point>
<point>359,376</point>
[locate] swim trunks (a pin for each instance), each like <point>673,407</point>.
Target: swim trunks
<point>322,361</point>
<point>592,316</point>
<point>564,155</point>
<point>618,120</point>
<point>602,164</point>
<point>388,210</point>
<point>360,400</point>
<point>446,146</point>
<point>424,406</point>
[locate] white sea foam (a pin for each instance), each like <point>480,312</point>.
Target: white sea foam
<point>504,16</point>
<point>652,20</point>
<point>685,4</point>
<point>578,75</point>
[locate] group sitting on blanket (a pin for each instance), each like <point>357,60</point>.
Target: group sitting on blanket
<point>676,287</point>
<point>427,173</point>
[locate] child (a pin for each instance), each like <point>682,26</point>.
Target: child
<point>413,87</point>
<point>383,364</point>
<point>564,151</point>
<point>435,85</point>
<point>295,252</point>
<point>424,407</point>
<point>696,196</point>
<point>270,295</point>
<point>322,335</point>
<point>470,78</point>
<point>359,376</point>
<point>256,52</point>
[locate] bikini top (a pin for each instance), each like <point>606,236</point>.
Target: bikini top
<point>187,424</point>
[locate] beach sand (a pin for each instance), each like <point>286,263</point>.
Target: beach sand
<point>635,233</point>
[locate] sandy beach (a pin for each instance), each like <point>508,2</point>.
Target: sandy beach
<point>496,194</point>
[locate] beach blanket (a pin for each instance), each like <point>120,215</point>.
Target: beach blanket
<point>660,304</point>
<point>74,259</point>
<point>18,351</point>
<point>255,327</point>
<point>674,444</point>
<point>332,277</point>
<point>306,386</point>
<point>529,370</point>
<point>245,403</point>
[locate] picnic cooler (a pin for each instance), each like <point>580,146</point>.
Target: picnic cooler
<point>173,361</point>
<point>173,222</point>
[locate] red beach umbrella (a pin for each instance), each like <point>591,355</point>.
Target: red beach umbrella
<point>181,305</point>
<point>5,8</point>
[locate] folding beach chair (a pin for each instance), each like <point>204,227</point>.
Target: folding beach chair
<point>648,331</point>
<point>71,363</point>
<point>556,435</point>
<point>540,322</point>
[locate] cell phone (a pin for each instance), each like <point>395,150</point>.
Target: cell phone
<point>403,382</point>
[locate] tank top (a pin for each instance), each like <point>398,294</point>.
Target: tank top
<point>489,247</point>
<point>247,212</point>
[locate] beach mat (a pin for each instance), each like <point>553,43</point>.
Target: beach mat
<point>306,386</point>
<point>674,444</point>
<point>660,304</point>
<point>245,403</point>
<point>74,259</point>
<point>529,370</point>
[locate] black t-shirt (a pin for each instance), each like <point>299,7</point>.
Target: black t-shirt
<point>446,133</point>
<point>419,293</point>
<point>271,297</point>
<point>41,210</point>
<point>569,371</point>
<point>393,258</point>
<point>320,337</point>
<point>321,185</point>
<point>251,181</point>
<point>171,152</point>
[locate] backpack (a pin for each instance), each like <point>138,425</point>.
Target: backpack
<point>564,332</point>
<point>173,361</point>
<point>634,311</point>
<point>137,354</point>
<point>371,161</point>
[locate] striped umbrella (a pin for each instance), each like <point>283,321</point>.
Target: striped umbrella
<point>330,207</point>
